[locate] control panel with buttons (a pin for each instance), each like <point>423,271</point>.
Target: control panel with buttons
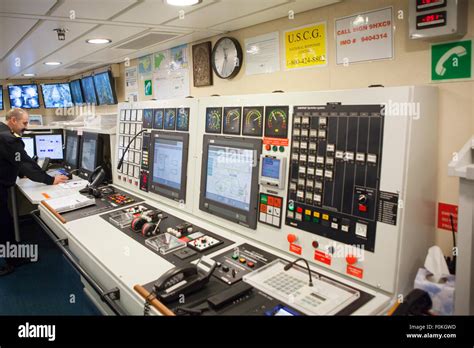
<point>335,171</point>
<point>241,260</point>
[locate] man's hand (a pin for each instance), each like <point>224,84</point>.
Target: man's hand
<point>59,179</point>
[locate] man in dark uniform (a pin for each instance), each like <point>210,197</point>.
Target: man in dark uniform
<point>14,160</point>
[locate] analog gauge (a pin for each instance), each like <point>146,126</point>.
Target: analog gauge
<point>213,120</point>
<point>170,119</point>
<point>158,119</point>
<point>253,119</point>
<point>182,119</point>
<point>232,117</point>
<point>147,118</point>
<point>276,122</point>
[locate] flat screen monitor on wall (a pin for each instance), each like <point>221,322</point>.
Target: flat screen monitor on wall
<point>1,97</point>
<point>105,88</point>
<point>76,92</point>
<point>24,96</point>
<point>56,95</point>
<point>88,89</point>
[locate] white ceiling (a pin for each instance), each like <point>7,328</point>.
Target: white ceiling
<point>27,39</point>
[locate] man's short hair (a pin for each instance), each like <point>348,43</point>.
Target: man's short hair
<point>15,113</point>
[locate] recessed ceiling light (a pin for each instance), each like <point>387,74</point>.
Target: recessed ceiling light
<point>182,2</point>
<point>52,63</point>
<point>98,41</point>
<point>29,75</point>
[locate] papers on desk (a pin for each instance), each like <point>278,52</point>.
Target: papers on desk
<point>70,203</point>
<point>79,184</point>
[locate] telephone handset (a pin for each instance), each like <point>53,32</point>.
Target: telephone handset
<point>95,180</point>
<point>458,50</point>
<point>183,280</point>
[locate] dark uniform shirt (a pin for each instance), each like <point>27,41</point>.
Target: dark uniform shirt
<point>15,161</point>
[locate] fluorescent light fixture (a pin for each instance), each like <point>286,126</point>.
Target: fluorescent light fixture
<point>29,75</point>
<point>98,41</point>
<point>52,63</point>
<point>182,2</point>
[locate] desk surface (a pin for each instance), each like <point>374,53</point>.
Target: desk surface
<point>36,192</point>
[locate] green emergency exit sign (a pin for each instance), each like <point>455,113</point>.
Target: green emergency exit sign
<point>451,61</point>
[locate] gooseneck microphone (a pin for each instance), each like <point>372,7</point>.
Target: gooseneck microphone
<point>291,264</point>
<point>128,146</point>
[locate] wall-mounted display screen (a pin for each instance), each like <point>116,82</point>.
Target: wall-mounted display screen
<point>76,92</point>
<point>56,95</point>
<point>105,88</point>
<point>24,96</point>
<point>1,97</point>
<point>88,90</point>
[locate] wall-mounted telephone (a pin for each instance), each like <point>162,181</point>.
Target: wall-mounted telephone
<point>183,280</point>
<point>458,51</point>
<point>95,180</point>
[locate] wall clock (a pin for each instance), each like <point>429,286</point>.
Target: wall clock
<point>227,58</point>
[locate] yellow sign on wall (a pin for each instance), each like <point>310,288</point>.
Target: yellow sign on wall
<point>306,47</point>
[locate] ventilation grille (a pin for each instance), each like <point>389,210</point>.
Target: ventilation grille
<point>146,41</point>
<point>81,65</point>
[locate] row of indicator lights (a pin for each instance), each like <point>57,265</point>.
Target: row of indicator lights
<point>243,260</point>
<point>350,259</point>
<point>316,218</point>
<point>275,148</point>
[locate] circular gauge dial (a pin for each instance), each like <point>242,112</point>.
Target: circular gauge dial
<point>232,120</point>
<point>276,124</point>
<point>182,120</point>
<point>253,120</point>
<point>170,119</point>
<point>213,120</point>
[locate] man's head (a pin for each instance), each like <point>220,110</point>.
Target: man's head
<point>17,120</point>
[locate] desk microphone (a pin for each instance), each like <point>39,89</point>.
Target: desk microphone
<point>291,264</point>
<point>128,146</point>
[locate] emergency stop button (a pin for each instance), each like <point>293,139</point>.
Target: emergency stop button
<point>291,238</point>
<point>351,259</point>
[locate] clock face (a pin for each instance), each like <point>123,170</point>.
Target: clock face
<point>227,58</point>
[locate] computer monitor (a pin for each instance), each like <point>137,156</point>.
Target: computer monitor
<point>29,146</point>
<point>24,96</point>
<point>49,146</point>
<point>105,88</point>
<point>76,92</point>
<point>56,95</point>
<point>1,97</point>
<point>72,150</point>
<point>169,154</point>
<point>94,152</point>
<point>229,178</point>
<point>88,90</point>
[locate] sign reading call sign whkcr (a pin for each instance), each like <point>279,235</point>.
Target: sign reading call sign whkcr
<point>364,37</point>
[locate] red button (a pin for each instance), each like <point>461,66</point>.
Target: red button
<point>315,244</point>
<point>268,147</point>
<point>299,210</point>
<point>351,259</point>
<point>250,264</point>
<point>291,238</point>
<point>277,202</point>
<point>362,208</point>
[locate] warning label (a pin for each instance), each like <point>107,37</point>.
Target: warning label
<point>388,208</point>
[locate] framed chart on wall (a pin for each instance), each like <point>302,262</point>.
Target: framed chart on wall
<point>202,67</point>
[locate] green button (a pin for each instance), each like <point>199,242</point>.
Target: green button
<point>275,148</point>
<point>316,220</point>
<point>235,257</point>
<point>282,149</point>
<point>307,218</point>
<point>291,207</point>
<point>264,199</point>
